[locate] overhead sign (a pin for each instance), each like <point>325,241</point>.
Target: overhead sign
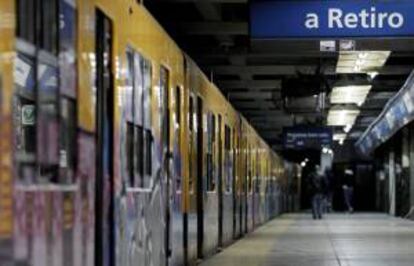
<point>397,113</point>
<point>331,18</point>
<point>300,138</point>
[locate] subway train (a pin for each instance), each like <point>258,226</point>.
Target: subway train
<point>115,148</point>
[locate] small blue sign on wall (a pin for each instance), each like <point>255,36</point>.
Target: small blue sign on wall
<point>331,18</point>
<point>303,137</point>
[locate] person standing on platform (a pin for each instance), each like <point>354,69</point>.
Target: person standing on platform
<point>348,188</point>
<point>317,188</point>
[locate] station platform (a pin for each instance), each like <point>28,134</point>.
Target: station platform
<point>338,240</point>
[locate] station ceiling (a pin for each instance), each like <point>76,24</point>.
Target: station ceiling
<point>215,33</point>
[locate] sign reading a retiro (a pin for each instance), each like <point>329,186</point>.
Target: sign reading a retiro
<point>331,18</point>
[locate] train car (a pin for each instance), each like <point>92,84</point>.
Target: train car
<point>116,149</point>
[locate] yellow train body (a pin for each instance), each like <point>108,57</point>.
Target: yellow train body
<point>213,159</point>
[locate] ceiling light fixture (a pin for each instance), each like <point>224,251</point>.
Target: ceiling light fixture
<point>373,74</point>
<point>342,117</point>
<point>361,61</point>
<point>347,128</point>
<point>350,94</point>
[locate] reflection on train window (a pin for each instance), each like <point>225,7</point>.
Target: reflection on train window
<point>250,167</point>
<point>163,105</point>
<point>49,24</point>
<point>68,145</point>
<point>258,177</point>
<point>228,162</point>
<point>211,126</point>
<point>37,21</point>
<point>139,140</point>
<point>130,151</point>
<point>191,143</point>
<point>177,144</point>
<point>139,158</point>
<point>26,20</point>
<point>178,105</point>
<point>149,141</point>
<point>45,118</point>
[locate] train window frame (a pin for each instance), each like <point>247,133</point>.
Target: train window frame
<point>228,160</point>
<point>52,110</point>
<point>191,135</point>
<point>210,153</point>
<point>178,105</point>
<point>139,115</point>
<point>257,172</point>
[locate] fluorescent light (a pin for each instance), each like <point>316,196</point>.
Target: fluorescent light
<point>339,136</point>
<point>347,128</point>
<point>373,74</point>
<point>342,117</point>
<point>350,94</point>
<point>361,61</point>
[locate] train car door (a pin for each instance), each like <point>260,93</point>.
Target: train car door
<point>200,192</point>
<point>167,156</point>
<point>234,188</point>
<point>104,233</point>
<point>220,183</point>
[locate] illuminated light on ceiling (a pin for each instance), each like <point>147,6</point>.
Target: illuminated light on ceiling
<point>347,128</point>
<point>373,74</point>
<point>361,61</point>
<point>342,117</point>
<point>350,94</point>
<point>339,136</point>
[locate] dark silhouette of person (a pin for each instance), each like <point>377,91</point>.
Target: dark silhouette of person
<point>348,188</point>
<point>317,185</point>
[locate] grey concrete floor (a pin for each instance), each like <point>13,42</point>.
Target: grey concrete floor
<point>338,240</point>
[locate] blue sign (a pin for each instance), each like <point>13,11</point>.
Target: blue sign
<point>398,112</point>
<point>300,138</point>
<point>331,18</point>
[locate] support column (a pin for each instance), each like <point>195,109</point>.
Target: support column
<point>391,180</point>
<point>411,162</point>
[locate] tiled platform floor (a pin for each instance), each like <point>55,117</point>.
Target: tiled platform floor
<point>339,240</point>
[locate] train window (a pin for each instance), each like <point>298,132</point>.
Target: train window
<point>25,109</point>
<point>149,141</point>
<point>228,163</point>
<point>44,112</point>
<point>139,139</point>
<point>257,174</point>
<point>178,105</point>
<point>146,69</point>
<point>48,10</point>
<point>26,20</point>
<point>163,102</point>
<point>178,177</point>
<point>210,152</point>
<point>130,151</point>
<point>191,142</point>
<point>68,139</point>
<point>38,23</point>
<point>139,158</point>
